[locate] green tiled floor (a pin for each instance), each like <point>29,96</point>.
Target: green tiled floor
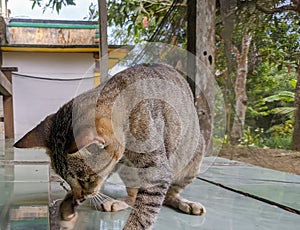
<point>24,196</point>
<point>280,187</point>
<point>227,210</point>
<point>26,192</point>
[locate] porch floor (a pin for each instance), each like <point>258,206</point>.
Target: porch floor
<point>236,195</point>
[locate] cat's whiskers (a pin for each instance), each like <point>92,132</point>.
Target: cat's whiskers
<point>102,198</point>
<point>91,202</point>
<point>94,203</point>
<point>98,199</point>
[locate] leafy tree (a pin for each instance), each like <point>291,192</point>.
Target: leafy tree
<point>291,11</point>
<point>53,4</point>
<point>132,21</point>
<point>237,26</point>
<point>273,56</point>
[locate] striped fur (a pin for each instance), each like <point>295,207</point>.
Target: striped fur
<point>155,146</point>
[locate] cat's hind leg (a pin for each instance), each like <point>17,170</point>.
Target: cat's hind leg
<point>183,179</point>
<point>189,207</point>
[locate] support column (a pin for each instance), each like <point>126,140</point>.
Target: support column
<point>201,60</point>
<point>8,105</point>
<point>103,45</point>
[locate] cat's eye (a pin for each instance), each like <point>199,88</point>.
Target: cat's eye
<point>94,148</point>
<point>82,183</point>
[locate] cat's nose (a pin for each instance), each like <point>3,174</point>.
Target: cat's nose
<point>94,193</point>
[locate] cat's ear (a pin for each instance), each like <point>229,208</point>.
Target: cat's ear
<point>38,136</point>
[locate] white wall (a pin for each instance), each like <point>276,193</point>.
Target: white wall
<point>35,99</point>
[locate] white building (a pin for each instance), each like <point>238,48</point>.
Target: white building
<point>50,56</point>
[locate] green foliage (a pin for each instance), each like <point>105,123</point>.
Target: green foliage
<point>53,4</point>
<point>252,137</point>
<point>272,84</point>
<point>273,113</point>
<point>279,142</point>
<point>133,21</point>
<point>273,58</point>
<point>279,104</point>
<point>271,81</point>
<point>278,136</point>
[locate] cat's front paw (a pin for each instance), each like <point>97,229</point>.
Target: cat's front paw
<point>114,206</point>
<point>193,208</point>
<point>70,223</point>
<point>67,213</point>
<point>186,206</point>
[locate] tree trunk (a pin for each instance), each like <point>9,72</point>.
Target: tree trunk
<point>240,89</point>
<point>228,16</point>
<point>201,44</point>
<point>296,133</point>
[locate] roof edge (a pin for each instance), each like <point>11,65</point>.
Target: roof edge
<point>25,20</point>
<point>59,48</point>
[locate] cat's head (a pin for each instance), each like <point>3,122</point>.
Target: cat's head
<point>84,164</point>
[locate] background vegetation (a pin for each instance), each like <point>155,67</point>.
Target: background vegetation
<point>272,58</point>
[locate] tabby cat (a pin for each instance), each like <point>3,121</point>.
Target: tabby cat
<point>141,122</point>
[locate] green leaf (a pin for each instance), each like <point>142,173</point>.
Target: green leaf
<point>58,6</point>
<point>71,2</point>
<point>33,5</point>
<point>284,111</point>
<point>281,96</point>
<point>293,83</point>
<point>129,29</point>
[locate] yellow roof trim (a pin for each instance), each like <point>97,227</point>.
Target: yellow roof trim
<point>50,49</point>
